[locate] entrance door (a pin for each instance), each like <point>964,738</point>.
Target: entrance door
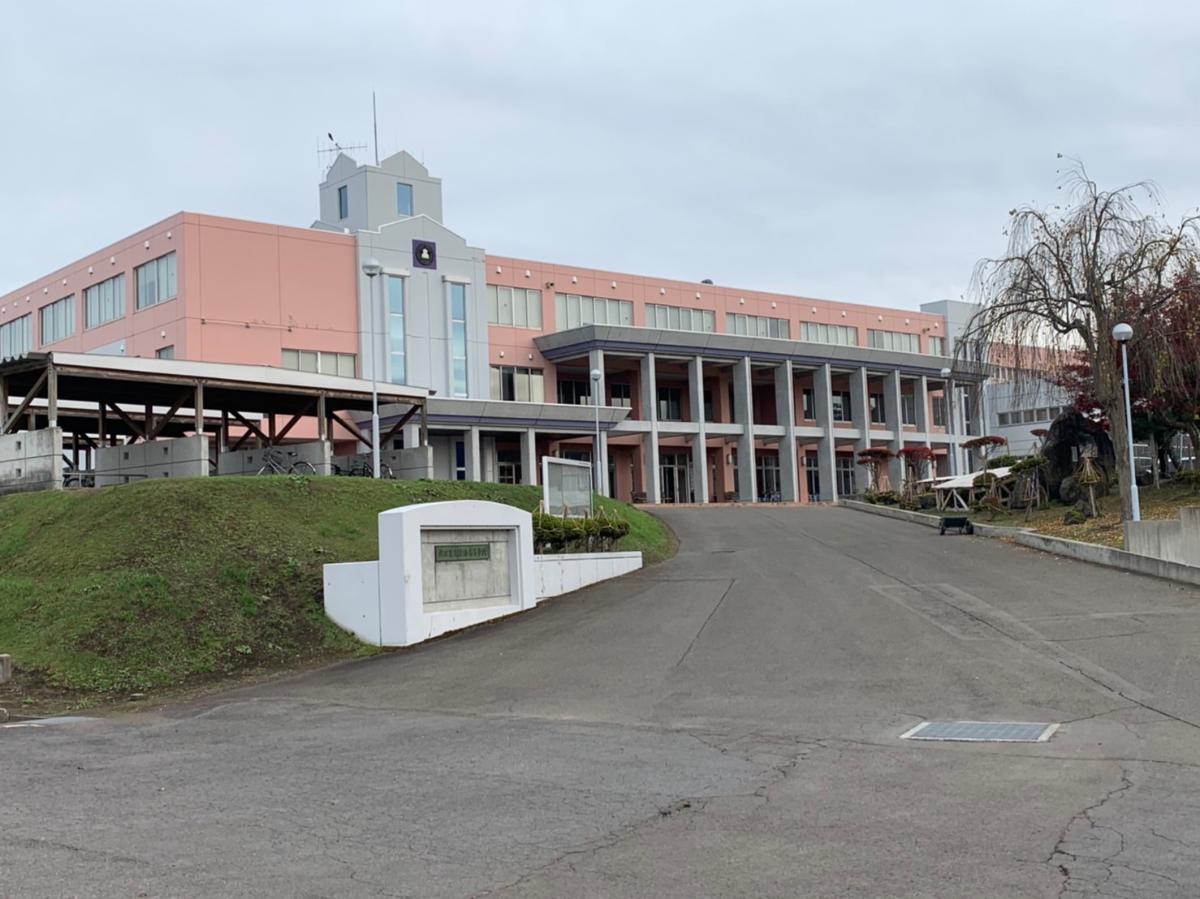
<point>767,475</point>
<point>675,477</point>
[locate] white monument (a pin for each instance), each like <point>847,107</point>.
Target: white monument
<point>442,567</point>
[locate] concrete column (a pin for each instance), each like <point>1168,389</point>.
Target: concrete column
<point>199,404</point>
<point>743,414</point>
<point>472,452</point>
<point>651,482</point>
<point>699,442</point>
<point>891,414</point>
<point>529,457</point>
<point>921,401</point>
<point>322,419</point>
<point>826,447</point>
<point>412,435</point>
<point>52,399</point>
<point>785,414</point>
<point>860,413</point>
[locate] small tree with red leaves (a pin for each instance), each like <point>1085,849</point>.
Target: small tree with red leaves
<point>873,459</point>
<point>917,460</point>
<point>985,445</point>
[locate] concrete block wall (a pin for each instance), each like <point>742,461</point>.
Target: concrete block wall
<point>318,453</point>
<point>1171,541</point>
<point>406,464</point>
<point>178,457</point>
<point>565,573</point>
<point>31,460</point>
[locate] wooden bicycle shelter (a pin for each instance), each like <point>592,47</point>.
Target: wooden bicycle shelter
<point>101,400</point>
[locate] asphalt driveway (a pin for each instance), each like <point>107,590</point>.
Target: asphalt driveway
<point>723,724</point>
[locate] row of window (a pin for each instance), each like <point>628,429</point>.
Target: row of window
<point>1028,416</point>
<point>396,333</point>
<point>679,318</point>
<point>516,306</point>
<point>522,308</point>
<point>518,383</point>
<point>16,337</point>
<point>103,302</point>
<point>898,341</point>
<point>837,335</point>
<point>757,325</point>
<point>572,311</point>
<point>315,361</point>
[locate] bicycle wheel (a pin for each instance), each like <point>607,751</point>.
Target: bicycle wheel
<point>304,468</point>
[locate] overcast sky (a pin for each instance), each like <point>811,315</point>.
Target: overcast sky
<point>864,151</point>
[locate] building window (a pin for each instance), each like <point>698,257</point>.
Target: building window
<point>343,202</point>
<point>166,352</point>
<point>620,395</point>
<point>677,318</point>
<point>520,307</point>
<point>670,404</point>
<point>575,393</point>
<point>937,346</point>
<point>841,405</point>
<point>845,475</point>
<point>572,311</point>
<point>757,325</point>
<point>105,302</point>
<point>16,337</point>
<point>897,341</point>
<point>155,281</point>
<point>403,199</point>
<point>878,416</point>
<point>939,411</point>
<point>908,409</point>
<point>460,460</point>
<point>58,320</point>
<point>312,361</point>
<point>458,337</point>
<point>710,413</point>
<point>517,383</point>
<point>397,370</point>
<point>808,402</point>
<point>839,335</point>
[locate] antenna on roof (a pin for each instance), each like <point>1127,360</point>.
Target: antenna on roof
<point>329,152</point>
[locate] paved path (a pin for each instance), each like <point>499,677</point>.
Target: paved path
<point>724,724</point>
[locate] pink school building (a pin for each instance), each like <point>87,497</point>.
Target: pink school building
<point>706,392</point>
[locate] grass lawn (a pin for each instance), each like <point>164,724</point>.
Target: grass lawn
<point>171,583</point>
<point>1164,502</point>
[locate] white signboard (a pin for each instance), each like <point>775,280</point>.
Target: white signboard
<point>566,487</point>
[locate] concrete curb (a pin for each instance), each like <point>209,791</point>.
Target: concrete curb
<point>1092,553</point>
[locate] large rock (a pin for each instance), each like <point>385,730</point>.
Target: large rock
<point>1070,436</point>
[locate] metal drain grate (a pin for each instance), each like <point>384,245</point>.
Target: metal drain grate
<point>982,731</point>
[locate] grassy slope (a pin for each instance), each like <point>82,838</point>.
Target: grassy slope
<point>1164,502</point>
<point>170,582</point>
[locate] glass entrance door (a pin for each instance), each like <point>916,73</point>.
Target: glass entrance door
<point>675,477</point>
<point>766,467</point>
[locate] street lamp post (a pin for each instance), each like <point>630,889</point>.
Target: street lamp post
<point>372,269</point>
<point>950,421</point>
<point>1122,334</point>
<point>596,375</point>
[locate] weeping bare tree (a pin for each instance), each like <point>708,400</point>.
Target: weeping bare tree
<point>1069,275</point>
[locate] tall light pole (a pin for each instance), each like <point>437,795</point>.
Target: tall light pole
<point>372,269</point>
<point>950,420</point>
<point>1122,334</point>
<point>596,376</point>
